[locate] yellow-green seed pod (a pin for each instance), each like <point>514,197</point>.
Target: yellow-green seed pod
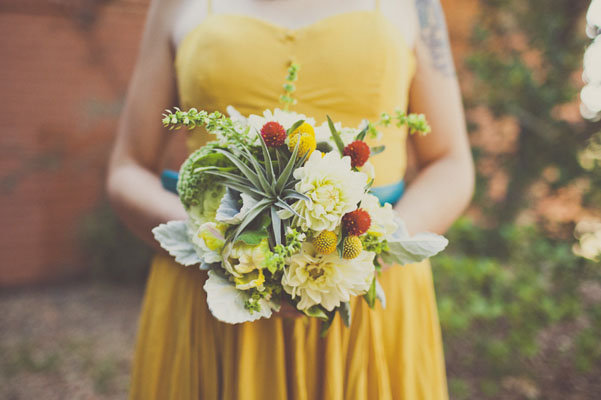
<point>305,127</point>
<point>325,242</point>
<point>351,247</point>
<point>307,144</point>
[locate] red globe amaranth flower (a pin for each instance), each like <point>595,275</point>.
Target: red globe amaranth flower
<point>358,151</point>
<point>356,222</point>
<point>273,134</point>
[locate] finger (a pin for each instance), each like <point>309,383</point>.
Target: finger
<point>288,311</point>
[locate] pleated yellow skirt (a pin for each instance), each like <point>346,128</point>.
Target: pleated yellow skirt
<point>184,353</point>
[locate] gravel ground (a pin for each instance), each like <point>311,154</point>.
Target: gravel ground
<point>76,341</point>
<point>67,342</point>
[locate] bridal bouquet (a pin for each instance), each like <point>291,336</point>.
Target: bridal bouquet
<point>280,211</point>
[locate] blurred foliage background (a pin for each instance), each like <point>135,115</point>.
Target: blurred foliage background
<point>519,289</point>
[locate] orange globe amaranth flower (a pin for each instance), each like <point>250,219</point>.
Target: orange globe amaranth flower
<point>357,222</point>
<point>351,247</point>
<point>359,153</point>
<point>325,242</point>
<point>273,134</point>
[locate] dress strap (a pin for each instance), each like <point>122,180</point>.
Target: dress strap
<point>210,7</point>
<point>377,5</point>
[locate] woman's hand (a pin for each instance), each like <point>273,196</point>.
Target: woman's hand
<point>384,266</point>
<point>289,311</point>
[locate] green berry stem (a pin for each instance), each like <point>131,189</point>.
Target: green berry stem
<point>215,122</point>
<point>281,252</point>
<point>416,123</point>
<point>289,88</point>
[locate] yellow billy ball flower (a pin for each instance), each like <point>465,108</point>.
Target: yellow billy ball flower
<point>325,242</point>
<point>351,247</point>
<point>307,144</point>
<point>305,127</point>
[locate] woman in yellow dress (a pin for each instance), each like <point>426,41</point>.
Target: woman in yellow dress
<point>358,58</point>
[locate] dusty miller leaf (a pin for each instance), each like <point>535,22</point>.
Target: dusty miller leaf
<point>227,303</point>
<point>407,249</point>
<point>173,237</point>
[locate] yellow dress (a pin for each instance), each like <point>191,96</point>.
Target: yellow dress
<point>353,66</point>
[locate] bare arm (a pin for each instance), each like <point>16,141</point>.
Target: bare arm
<point>444,184</point>
<point>133,185</point>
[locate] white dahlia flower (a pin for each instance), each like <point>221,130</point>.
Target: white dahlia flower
<point>382,217</point>
<point>333,187</point>
<point>326,280</point>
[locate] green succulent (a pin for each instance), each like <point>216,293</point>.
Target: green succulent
<point>266,178</point>
<point>230,162</point>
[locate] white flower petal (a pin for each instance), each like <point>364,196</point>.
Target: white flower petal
<point>382,217</point>
<point>227,303</point>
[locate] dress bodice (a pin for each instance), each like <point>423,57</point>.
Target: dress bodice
<point>354,65</point>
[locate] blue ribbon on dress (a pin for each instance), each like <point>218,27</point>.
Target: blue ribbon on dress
<point>387,194</point>
<point>169,180</point>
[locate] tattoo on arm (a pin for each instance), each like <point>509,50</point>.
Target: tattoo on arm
<point>433,32</point>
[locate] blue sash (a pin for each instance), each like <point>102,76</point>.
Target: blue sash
<point>169,180</point>
<point>387,194</point>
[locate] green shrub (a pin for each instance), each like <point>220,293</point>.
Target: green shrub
<point>110,250</point>
<point>500,291</point>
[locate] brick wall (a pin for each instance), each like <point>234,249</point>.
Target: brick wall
<point>62,79</point>
<point>64,69</point>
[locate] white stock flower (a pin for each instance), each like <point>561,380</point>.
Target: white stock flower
<point>348,135</point>
<point>369,170</point>
<point>333,187</point>
<point>236,115</point>
<point>326,280</point>
<point>323,134</point>
<point>285,118</point>
<point>382,217</point>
